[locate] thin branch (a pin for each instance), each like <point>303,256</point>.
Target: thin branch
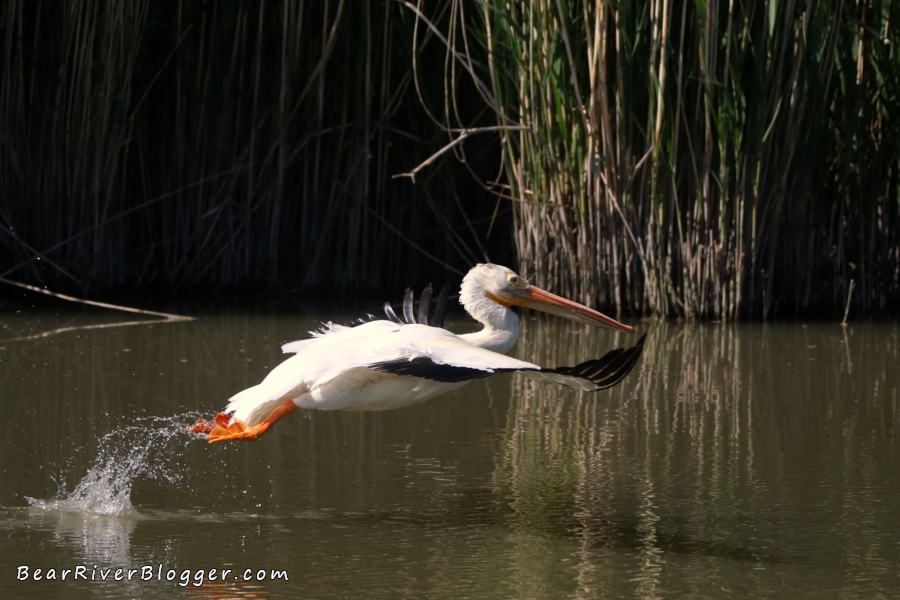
<point>413,244</point>
<point>165,316</point>
<point>462,136</point>
<point>58,330</point>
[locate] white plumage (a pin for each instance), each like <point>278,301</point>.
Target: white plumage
<point>387,364</point>
<point>315,380</point>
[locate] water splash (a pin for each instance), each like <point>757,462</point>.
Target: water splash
<point>146,448</point>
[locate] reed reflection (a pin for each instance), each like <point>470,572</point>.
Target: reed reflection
<point>740,442</point>
<point>740,457</point>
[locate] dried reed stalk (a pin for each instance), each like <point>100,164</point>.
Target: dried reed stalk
<point>704,160</point>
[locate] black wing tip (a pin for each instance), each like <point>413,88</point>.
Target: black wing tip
<point>621,365</point>
<point>607,371</point>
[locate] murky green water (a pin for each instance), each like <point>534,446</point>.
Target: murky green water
<point>735,462</point>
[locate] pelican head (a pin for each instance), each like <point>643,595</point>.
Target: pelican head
<point>503,288</point>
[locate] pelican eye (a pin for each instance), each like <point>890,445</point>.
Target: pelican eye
<point>517,282</point>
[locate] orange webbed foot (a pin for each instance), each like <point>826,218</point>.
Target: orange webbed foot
<point>225,428</point>
<point>221,420</point>
<point>237,431</point>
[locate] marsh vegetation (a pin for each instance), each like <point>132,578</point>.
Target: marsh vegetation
<point>713,159</point>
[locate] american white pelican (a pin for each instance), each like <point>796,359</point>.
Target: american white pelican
<point>383,364</point>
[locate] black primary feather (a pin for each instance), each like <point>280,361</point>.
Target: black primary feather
<point>409,314</point>
<point>389,311</point>
<point>604,372</point>
<point>425,305</point>
<point>440,309</point>
<point>408,307</point>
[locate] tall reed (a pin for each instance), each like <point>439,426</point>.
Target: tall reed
<point>696,159</point>
<point>236,143</point>
<point>717,159</point>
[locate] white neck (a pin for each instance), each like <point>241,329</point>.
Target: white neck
<point>501,325</point>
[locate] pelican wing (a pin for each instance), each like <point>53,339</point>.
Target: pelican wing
<point>449,359</point>
<point>426,368</point>
<point>453,360</point>
<point>331,351</point>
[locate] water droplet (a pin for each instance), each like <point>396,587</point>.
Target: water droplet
<point>147,448</point>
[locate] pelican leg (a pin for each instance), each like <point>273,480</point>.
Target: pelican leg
<point>236,430</point>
